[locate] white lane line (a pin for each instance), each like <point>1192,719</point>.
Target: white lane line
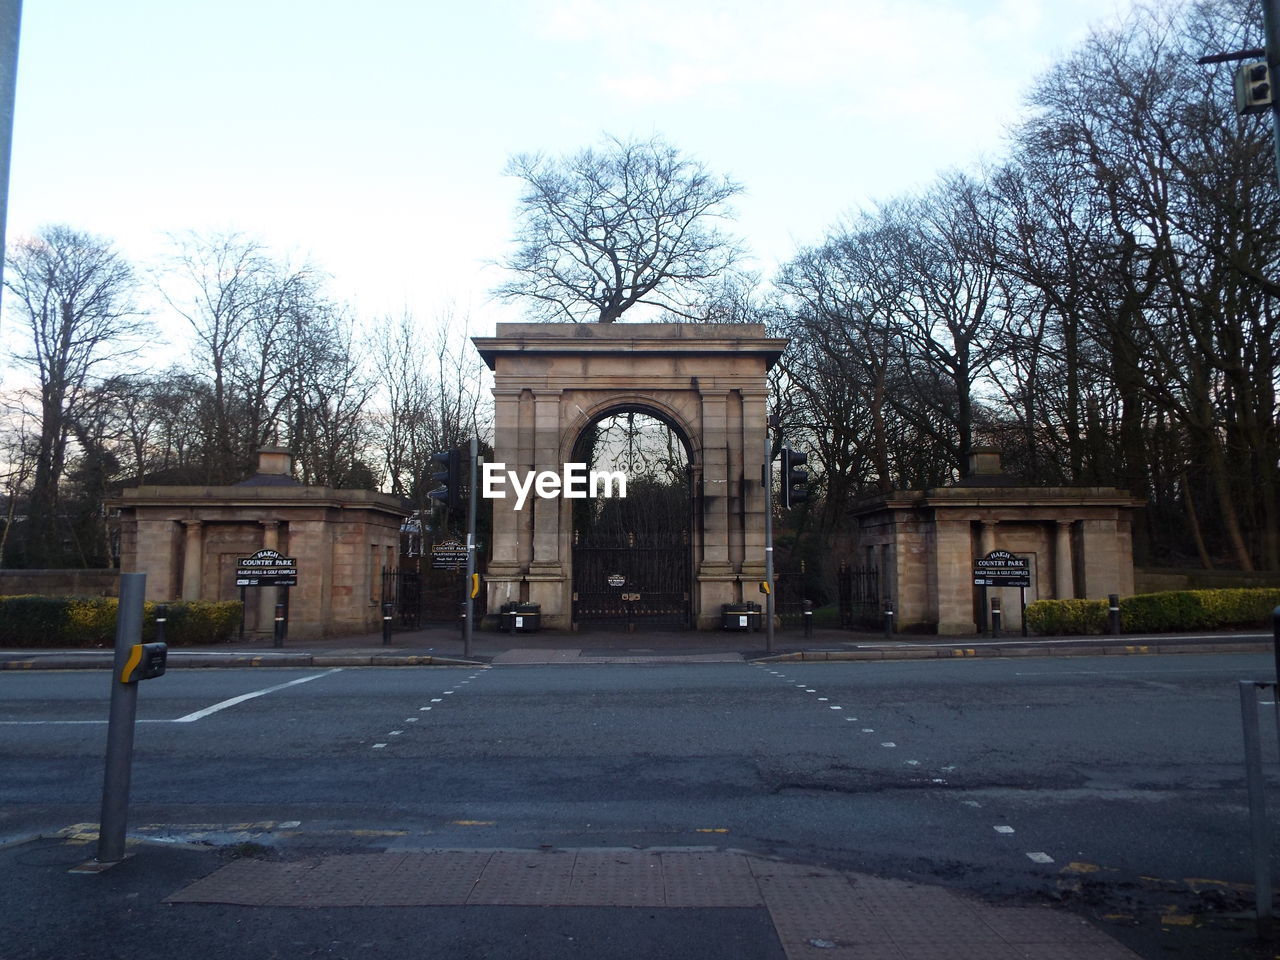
<point>410,719</point>
<point>201,714</point>
<point>889,743</point>
<point>1003,829</point>
<point>437,700</point>
<point>835,708</point>
<point>379,746</point>
<point>420,709</point>
<point>1040,857</point>
<point>395,733</point>
<point>971,803</point>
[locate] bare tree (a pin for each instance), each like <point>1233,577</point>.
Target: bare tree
<point>75,297</point>
<point>603,231</point>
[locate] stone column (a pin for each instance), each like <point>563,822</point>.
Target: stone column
<point>506,438</point>
<point>267,595</point>
<point>755,418</point>
<point>192,559</point>
<point>954,577</point>
<point>715,483</point>
<point>1063,563</point>
<point>546,577</point>
<point>987,537</point>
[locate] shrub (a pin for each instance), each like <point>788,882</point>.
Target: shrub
<point>1165,612</point>
<point>1062,617</point>
<point>32,621</point>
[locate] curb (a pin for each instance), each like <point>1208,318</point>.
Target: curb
<point>1020,650</point>
<point>216,660</point>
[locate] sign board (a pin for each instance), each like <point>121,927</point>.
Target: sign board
<point>267,568</point>
<point>448,555</point>
<point>616,580</point>
<point>1000,568</point>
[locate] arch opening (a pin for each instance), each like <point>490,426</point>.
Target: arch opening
<point>632,556</point>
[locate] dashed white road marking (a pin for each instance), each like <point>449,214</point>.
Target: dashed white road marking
<point>1003,828</point>
<point>1040,857</point>
<point>888,743</point>
<point>379,746</point>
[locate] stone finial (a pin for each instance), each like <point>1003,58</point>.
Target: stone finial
<point>275,460</point>
<point>984,462</point>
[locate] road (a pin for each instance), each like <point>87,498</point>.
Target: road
<point>1108,778</point>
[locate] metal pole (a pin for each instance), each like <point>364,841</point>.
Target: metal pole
<point>1275,645</point>
<point>808,619</point>
<point>472,496</point>
<point>1271,29</point>
<point>1259,837</point>
<point>279,625</point>
<point>768,542</point>
<point>1022,599</point>
<point>888,619</point>
<point>10,27</point>
<point>386,623</point>
<point>1113,614</point>
<point>124,708</point>
<point>995,617</point>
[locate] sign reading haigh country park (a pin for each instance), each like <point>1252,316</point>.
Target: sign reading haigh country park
<point>267,568</point>
<point>1000,568</point>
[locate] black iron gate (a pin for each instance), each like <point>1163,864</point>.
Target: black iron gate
<point>403,590</point>
<point>644,586</point>
<point>859,596</point>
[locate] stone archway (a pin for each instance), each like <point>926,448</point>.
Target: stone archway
<point>709,381</point>
<point>632,557</point>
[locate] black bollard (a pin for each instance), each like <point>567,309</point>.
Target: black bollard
<point>1113,614</point>
<point>386,624</point>
<point>808,619</point>
<point>888,619</point>
<point>162,618</point>
<point>1275,631</point>
<point>995,617</point>
<point>279,634</point>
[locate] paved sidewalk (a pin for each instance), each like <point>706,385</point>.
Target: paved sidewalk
<point>510,903</point>
<point>443,646</point>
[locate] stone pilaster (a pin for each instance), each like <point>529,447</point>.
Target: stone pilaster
<point>192,559</point>
<point>1063,562</point>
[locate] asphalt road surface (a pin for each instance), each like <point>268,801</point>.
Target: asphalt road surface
<point>1116,781</point>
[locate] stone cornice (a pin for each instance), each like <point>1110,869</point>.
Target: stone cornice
<point>653,339</point>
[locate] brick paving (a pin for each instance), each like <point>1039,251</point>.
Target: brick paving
<point>816,912</point>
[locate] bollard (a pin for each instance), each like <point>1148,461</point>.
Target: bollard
<point>279,632</point>
<point>1113,614</point>
<point>162,618</point>
<point>995,617</point>
<point>1275,633</point>
<point>888,618</point>
<point>808,619</point>
<point>386,624</point>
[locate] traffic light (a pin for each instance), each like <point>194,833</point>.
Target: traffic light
<point>795,479</point>
<point>1253,87</point>
<point>450,493</point>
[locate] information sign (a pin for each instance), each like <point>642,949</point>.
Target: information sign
<point>1000,568</point>
<point>448,555</point>
<point>267,568</point>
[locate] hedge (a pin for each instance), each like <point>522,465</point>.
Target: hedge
<point>36,621</point>
<point>1165,612</point>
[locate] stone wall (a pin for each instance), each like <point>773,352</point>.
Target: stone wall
<point>60,583</point>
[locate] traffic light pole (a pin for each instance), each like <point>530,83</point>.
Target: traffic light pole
<point>472,497</point>
<point>768,543</point>
<point>1271,30</point>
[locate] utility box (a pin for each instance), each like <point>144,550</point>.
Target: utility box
<point>520,617</point>
<point>740,617</point>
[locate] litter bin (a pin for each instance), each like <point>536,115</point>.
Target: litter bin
<point>520,617</point>
<point>740,616</point>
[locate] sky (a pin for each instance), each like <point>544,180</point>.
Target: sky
<point>370,139</point>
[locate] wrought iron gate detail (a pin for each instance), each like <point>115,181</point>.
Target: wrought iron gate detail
<point>644,585</point>
<point>859,596</point>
